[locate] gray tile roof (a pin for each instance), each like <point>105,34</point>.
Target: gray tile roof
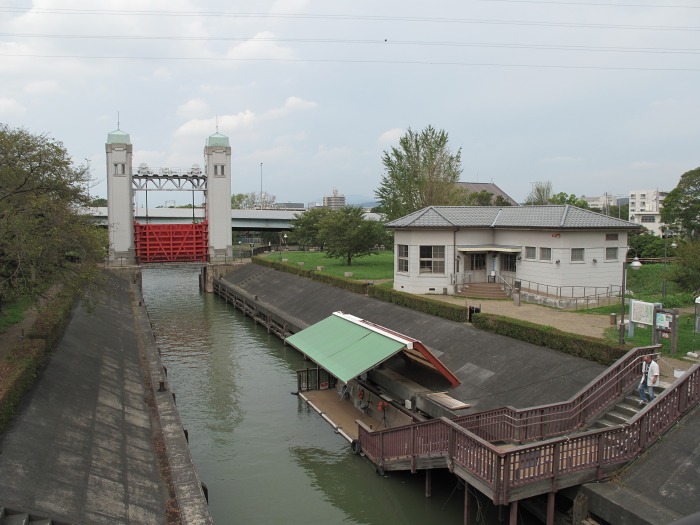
<point>560,217</point>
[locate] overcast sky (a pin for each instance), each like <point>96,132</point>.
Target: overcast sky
<point>596,96</point>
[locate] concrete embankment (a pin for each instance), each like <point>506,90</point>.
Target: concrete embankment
<point>98,440</point>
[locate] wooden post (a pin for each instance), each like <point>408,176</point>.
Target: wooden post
<point>428,483</point>
<point>466,503</point>
<point>550,508</point>
<point>513,513</point>
<point>674,331</point>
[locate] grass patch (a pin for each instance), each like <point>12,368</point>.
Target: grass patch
<point>688,340</point>
<point>13,313</point>
<point>371,267</point>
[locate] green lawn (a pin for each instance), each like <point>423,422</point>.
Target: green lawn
<point>13,313</point>
<point>371,267</point>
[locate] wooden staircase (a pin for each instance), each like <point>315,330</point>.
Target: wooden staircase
<point>622,411</point>
<point>483,291</point>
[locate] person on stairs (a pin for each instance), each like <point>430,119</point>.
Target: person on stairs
<point>650,378</point>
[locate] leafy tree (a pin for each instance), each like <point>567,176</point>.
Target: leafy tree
<point>42,232</point>
<point>251,201</point>
<point>685,271</point>
<point>648,245</point>
<point>99,202</point>
<point>500,200</point>
<point>681,207</point>
<point>347,235</point>
<point>541,193</point>
<point>621,212</point>
<point>420,172</point>
<point>571,199</point>
<point>479,198</point>
<point>306,226</point>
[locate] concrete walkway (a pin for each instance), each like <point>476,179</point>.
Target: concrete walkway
<point>84,447</point>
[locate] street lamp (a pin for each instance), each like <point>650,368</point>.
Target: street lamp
<point>636,265</point>
<point>240,251</point>
<point>673,246</point>
<point>283,240</point>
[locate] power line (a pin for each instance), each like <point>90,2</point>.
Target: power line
<point>383,42</point>
<point>359,61</point>
<point>223,14</point>
<point>603,4</point>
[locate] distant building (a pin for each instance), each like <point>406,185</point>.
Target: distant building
<point>490,187</point>
<point>334,202</point>
<point>288,206</point>
<point>645,208</point>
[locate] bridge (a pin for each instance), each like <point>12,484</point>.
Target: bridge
<point>241,220</point>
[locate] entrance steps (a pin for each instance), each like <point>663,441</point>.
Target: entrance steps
<point>483,291</point>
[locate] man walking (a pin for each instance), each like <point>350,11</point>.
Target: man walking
<point>650,378</point>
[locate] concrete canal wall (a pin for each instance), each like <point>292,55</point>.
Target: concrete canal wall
<point>99,438</point>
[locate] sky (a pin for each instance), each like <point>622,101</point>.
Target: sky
<point>595,96</point>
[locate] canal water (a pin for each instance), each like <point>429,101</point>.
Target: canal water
<point>266,456</point>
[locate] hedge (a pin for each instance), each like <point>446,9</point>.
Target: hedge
<point>339,282</point>
<point>452,312</point>
<point>591,348</point>
<point>19,369</point>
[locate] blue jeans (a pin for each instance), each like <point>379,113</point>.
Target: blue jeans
<point>644,390</point>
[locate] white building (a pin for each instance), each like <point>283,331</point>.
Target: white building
<point>561,249</point>
<point>645,209</point>
<point>335,201</point>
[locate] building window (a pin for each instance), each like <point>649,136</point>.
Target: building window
<point>611,254</point>
<point>578,254</point>
<point>477,261</point>
<point>508,261</point>
<point>545,254</point>
<point>120,169</point>
<point>648,218</point>
<point>611,236</point>
<point>530,252</point>
<point>219,170</point>
<point>402,258</point>
<point>432,259</point>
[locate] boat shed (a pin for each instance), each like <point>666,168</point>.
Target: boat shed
<point>347,347</point>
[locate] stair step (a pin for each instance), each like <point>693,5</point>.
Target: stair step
<point>15,519</point>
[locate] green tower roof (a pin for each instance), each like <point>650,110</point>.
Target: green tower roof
<point>217,139</point>
<point>118,137</point>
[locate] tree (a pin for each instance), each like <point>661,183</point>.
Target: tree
<point>681,207</point>
<point>479,198</point>
<point>42,231</point>
<point>99,202</point>
<point>571,199</point>
<point>347,235</point>
<point>541,193</point>
<point>306,225</point>
<point>420,172</point>
<point>244,201</point>
<point>685,271</point>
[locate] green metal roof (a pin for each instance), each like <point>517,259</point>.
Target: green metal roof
<point>217,139</point>
<point>118,137</point>
<point>344,348</point>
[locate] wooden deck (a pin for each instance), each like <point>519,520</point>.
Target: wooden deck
<point>341,413</point>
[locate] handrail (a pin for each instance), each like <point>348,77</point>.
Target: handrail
<point>582,456</point>
<point>545,421</point>
<point>509,288</point>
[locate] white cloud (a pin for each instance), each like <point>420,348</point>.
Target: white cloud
<point>195,107</point>
<point>261,47</point>
<point>11,108</point>
<point>562,159</point>
<point>390,137</point>
<point>290,105</point>
<point>42,87</point>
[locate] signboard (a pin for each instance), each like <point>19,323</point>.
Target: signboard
<point>664,320</point>
<point>641,312</point>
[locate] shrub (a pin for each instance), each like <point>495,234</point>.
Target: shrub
<point>426,305</point>
<point>591,348</point>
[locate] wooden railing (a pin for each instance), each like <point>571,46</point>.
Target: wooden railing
<point>507,474</point>
<point>542,422</point>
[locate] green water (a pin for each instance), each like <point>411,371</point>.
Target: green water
<point>266,456</point>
